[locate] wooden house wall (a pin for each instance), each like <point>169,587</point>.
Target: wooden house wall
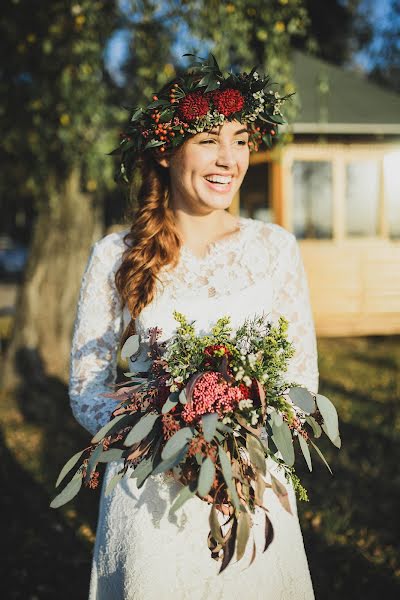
<point>354,282</point>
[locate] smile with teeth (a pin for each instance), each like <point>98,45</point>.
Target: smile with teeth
<point>219,182</point>
<point>219,178</point>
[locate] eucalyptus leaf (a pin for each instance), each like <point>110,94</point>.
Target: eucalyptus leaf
<point>130,347</point>
<point>69,492</point>
<point>259,490</point>
<point>315,426</point>
<point>177,441</point>
<point>329,414</point>
<point>256,453</point>
<point>182,397</point>
<point>269,532</point>
<point>141,429</point>
<point>169,405</point>
<point>337,441</point>
<point>109,427</point>
<point>209,422</point>
<point>110,455</point>
<point>322,456</point>
<point>280,490</point>
<point>171,461</point>
<point>215,526</point>
<point>68,466</point>
<point>283,441</point>
<point>185,494</point>
<point>219,436</point>
<point>206,477</point>
<point>229,547</point>
<point>227,473</point>
<point>243,533</point>
<point>306,451</point>
<point>142,467</point>
<point>224,428</point>
<point>93,460</point>
<point>276,418</point>
<point>302,398</point>
<point>113,482</point>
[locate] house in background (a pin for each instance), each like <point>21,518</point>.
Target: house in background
<point>336,186</point>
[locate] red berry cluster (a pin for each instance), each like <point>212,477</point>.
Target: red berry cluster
<point>256,139</point>
<point>165,132</point>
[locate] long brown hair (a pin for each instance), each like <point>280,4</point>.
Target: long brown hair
<point>153,241</point>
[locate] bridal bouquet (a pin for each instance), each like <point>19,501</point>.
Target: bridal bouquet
<point>210,412</point>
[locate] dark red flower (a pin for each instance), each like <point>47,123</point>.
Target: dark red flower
<point>194,105</point>
<point>245,391</point>
<point>228,101</point>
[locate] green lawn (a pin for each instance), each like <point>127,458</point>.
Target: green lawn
<point>350,525</point>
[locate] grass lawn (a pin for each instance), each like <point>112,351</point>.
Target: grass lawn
<point>350,525</point>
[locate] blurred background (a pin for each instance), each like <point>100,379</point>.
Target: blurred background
<point>69,70</point>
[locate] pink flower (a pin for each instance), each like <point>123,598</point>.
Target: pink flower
<point>211,394</point>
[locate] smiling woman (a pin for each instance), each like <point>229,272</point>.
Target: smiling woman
<point>183,251</point>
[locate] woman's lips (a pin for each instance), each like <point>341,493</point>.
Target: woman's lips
<point>221,188</point>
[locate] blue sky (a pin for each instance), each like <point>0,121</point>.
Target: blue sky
<point>380,15</point>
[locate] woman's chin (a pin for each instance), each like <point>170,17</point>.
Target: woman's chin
<point>218,201</point>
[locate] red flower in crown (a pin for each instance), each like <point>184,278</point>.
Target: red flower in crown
<point>228,101</point>
<point>194,105</point>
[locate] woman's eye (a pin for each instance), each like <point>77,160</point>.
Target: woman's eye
<point>240,142</point>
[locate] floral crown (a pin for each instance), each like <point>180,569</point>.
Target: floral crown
<point>199,100</point>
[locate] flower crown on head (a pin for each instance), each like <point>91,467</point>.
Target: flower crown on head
<point>199,100</point>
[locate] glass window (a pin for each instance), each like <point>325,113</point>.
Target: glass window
<point>391,166</point>
<point>362,198</point>
<point>312,199</point>
<point>254,194</point>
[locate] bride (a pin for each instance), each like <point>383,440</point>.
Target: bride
<point>184,251</point>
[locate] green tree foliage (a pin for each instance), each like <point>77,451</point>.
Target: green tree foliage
<point>150,62</point>
<point>56,114</point>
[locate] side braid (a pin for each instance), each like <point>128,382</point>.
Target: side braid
<point>153,242</point>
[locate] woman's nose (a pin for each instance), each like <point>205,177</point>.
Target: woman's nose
<point>225,156</point>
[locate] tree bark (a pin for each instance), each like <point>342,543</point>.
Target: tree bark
<point>67,225</point>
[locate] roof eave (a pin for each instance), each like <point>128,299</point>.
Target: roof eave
<point>346,128</point>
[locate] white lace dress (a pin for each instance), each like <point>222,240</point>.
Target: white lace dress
<point>141,552</point>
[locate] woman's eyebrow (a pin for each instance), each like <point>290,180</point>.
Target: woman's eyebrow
<point>216,132</point>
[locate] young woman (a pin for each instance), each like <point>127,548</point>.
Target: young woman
<point>184,251</point>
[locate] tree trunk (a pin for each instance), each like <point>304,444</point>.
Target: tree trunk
<point>66,226</point>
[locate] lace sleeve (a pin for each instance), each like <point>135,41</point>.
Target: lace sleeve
<point>96,335</point>
<point>291,299</point>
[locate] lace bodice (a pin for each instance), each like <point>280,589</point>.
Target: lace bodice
<point>257,269</point>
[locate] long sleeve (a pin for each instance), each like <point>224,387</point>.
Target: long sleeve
<point>291,299</point>
<point>96,335</point>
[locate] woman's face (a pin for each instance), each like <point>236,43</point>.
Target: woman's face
<point>209,168</point>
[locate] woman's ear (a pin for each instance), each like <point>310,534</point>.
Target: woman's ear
<point>164,162</point>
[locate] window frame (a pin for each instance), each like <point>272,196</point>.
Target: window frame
<point>339,155</point>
